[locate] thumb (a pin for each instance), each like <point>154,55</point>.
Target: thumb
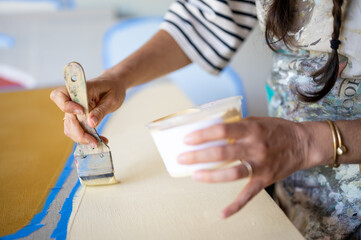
<point>98,113</point>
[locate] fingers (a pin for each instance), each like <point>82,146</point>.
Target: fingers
<point>217,132</point>
<point>213,154</point>
<point>73,130</point>
<point>253,187</point>
<point>96,115</point>
<point>61,98</point>
<point>222,175</point>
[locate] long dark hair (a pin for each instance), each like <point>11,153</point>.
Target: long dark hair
<point>280,18</point>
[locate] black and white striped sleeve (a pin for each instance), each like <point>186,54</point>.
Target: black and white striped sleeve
<point>210,31</point>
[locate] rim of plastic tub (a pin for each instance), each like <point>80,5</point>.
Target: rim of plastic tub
<point>209,110</point>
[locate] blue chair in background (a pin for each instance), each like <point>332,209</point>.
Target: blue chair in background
<point>201,87</point>
<point>9,5</point>
<point>6,41</point>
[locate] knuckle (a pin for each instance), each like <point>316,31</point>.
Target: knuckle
<point>235,174</point>
<point>53,94</point>
<point>249,119</point>
<point>114,103</point>
<point>241,172</point>
<point>262,155</point>
<point>92,102</point>
<point>66,124</point>
<point>67,107</point>
<point>207,178</point>
<point>191,156</point>
<point>220,153</point>
<point>254,126</point>
<point>199,136</point>
<point>100,111</point>
<point>82,136</point>
<point>262,148</point>
<point>222,130</point>
<point>79,138</point>
<point>66,132</point>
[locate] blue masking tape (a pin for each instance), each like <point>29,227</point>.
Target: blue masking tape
<point>34,224</point>
<point>60,232</point>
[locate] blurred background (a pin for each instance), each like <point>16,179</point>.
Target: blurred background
<point>38,37</point>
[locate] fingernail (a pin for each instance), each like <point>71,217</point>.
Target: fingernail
<point>78,111</point>
<point>94,120</point>
<point>93,145</point>
<point>197,176</point>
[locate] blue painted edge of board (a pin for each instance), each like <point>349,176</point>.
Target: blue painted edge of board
<point>35,223</point>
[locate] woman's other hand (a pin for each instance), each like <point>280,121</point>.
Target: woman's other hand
<point>273,147</point>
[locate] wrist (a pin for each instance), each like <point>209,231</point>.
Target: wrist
<point>118,76</point>
<point>317,138</point>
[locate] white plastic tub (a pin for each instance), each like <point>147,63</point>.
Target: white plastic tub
<point>169,132</point>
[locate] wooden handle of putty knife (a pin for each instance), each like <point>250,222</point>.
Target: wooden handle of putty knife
<point>76,84</point>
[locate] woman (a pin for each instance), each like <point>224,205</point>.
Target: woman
<point>311,81</point>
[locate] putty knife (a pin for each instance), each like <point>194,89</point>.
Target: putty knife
<point>94,165</point>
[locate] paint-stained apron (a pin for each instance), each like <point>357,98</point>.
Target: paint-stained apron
<point>323,203</point>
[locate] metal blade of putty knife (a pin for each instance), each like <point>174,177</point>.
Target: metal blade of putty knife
<point>94,165</point>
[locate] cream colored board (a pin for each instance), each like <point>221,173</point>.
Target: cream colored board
<point>149,204</point>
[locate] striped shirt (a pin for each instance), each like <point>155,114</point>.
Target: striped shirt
<point>210,31</point>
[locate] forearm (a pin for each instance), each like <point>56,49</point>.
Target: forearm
<point>320,148</point>
<point>159,56</point>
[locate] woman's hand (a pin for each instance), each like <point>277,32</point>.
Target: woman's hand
<point>105,95</point>
<point>159,56</point>
<point>273,147</point>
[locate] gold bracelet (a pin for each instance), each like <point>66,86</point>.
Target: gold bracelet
<point>338,148</point>
<point>334,143</point>
<point>341,148</point>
